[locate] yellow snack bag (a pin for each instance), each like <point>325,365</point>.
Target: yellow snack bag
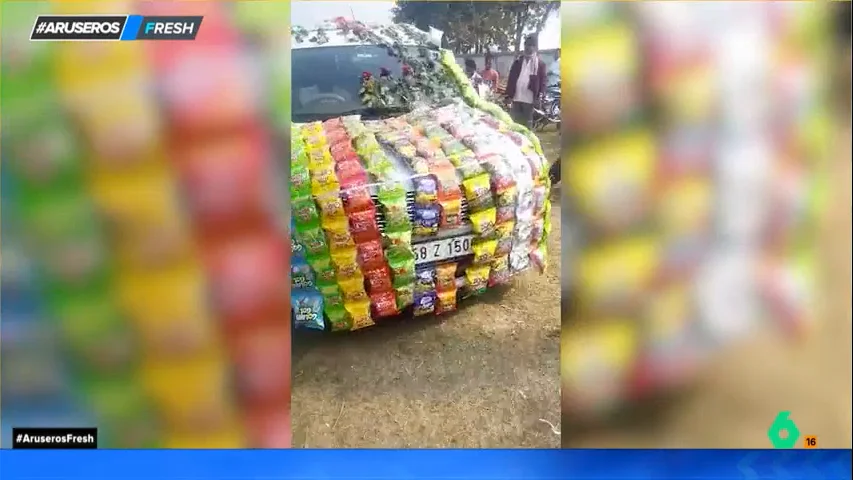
<point>338,234</point>
<point>331,205</point>
<point>360,313</point>
<point>596,361</point>
<point>227,438</point>
<point>352,289</point>
<point>345,262</point>
<point>478,192</point>
<point>322,174</point>
<point>149,196</point>
<point>477,279</point>
<point>484,251</point>
<point>612,180</point>
<point>685,206</point>
<point>169,310</point>
<point>191,394</point>
<point>483,223</point>
<point>618,271</point>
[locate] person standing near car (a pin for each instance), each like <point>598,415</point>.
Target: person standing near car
<point>526,82</point>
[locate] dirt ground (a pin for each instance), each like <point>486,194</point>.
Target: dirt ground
<point>486,376</point>
<point>744,391</point>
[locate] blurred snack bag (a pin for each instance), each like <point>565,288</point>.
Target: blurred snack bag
<point>684,217</point>
<point>612,180</point>
<point>600,79</point>
<point>32,368</point>
<point>788,287</point>
<point>261,358</point>
<point>192,394</point>
<point>229,437</point>
<point>586,15</point>
<point>168,308</point>
<point>597,361</point>
<point>124,413</point>
<point>617,274</point>
<point>269,427</point>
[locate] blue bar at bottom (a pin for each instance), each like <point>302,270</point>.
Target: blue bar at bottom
<point>131,27</point>
<point>433,464</point>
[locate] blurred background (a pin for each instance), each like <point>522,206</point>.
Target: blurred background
<point>136,188</point>
<point>706,193</point>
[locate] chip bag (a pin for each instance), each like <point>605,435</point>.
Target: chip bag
<point>427,218</point>
<point>379,279</point>
<point>359,312</point>
<point>445,277</point>
<point>307,308</point>
<point>345,262</point>
<point>384,304</point>
<point>339,318</point>
<point>478,192</point>
<point>446,302</point>
<point>484,251</point>
<point>402,263</point>
<point>477,279</point>
<point>424,303</point>
<point>338,234</point>
<point>500,274</point>
<point>483,222</point>
<point>370,254</point>
<point>363,226</point>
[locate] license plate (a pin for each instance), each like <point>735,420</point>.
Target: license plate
<point>443,249</point>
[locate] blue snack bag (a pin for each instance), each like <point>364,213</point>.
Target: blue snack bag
<point>427,218</point>
<point>424,303</point>
<point>307,309</point>
<point>301,275</point>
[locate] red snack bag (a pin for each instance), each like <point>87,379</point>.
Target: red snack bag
<point>384,304</point>
<point>338,135</point>
<point>363,226</point>
<point>247,274</point>
<point>225,179</point>
<point>448,183</point>
<point>379,279</point>
<point>351,173</point>
<point>333,124</point>
<point>269,427</point>
<point>261,358</point>
<point>343,151</point>
<point>370,254</point>
<point>357,199</point>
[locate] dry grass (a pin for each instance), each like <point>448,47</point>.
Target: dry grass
<point>486,376</point>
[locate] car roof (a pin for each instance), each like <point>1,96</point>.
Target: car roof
<point>335,36</point>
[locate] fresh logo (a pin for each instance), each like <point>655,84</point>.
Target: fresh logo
<point>783,432</point>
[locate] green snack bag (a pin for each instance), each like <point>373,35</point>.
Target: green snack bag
<point>123,412</point>
<point>339,318</point>
<point>405,295</point>
<point>331,294</point>
<point>300,181</point>
<point>305,211</point>
<point>324,271</point>
<point>43,155</point>
<point>402,263</point>
<point>392,199</point>
<point>313,239</point>
<point>97,337</point>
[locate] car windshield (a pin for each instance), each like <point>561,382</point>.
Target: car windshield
<point>326,81</point>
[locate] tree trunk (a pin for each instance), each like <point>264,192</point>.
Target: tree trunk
<point>520,18</point>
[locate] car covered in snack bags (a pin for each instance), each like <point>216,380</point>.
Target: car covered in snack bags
<point>408,190</point>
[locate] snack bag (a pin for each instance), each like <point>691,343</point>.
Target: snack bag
<point>500,274</point>
<point>484,251</point>
<point>398,239</point>
<point>393,201</point>
<point>338,234</point>
<point>425,279</point>
<point>503,232</point>
<point>324,271</point>
<point>345,262</point>
<point>539,257</point>
<point>331,205</point>
<point>370,254</point>
<point>352,289</point>
<point>445,275</point>
<point>451,214</point>
<point>98,338</point>
<point>478,192</point>
<point>339,318</point>
<point>305,211</point>
<point>313,239</point>
<point>483,222</point>
<point>357,199</point>
<point>540,196</point>
<point>477,279</point>
<point>300,181</point>
<point>384,304</point>
<point>332,296</point>
<point>269,427</point>
<point>351,172</point>
<point>427,219</point>
<point>300,273</point>
<point>617,272</point>
<point>359,312</point>
<point>402,263</point>
<point>445,302</point>
<point>261,354</point>
<point>363,226</point>
<point>469,168</point>
<point>379,279</point>
<point>424,303</point>
<point>426,189</point>
<point>405,295</point>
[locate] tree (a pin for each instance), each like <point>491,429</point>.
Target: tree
<point>476,27</point>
